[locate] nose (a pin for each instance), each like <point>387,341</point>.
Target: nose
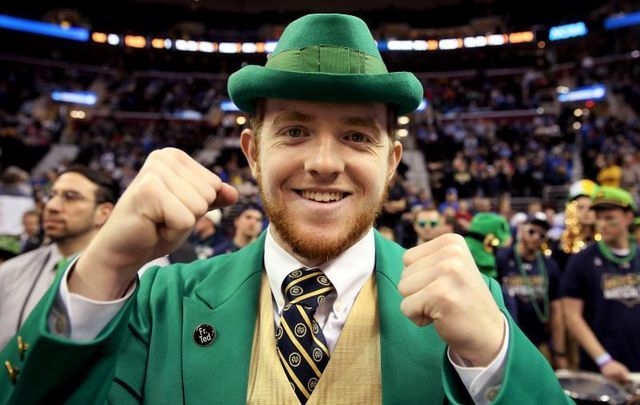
<point>324,156</point>
<point>54,204</point>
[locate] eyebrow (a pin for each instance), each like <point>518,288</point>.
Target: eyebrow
<point>289,116</point>
<point>361,122</point>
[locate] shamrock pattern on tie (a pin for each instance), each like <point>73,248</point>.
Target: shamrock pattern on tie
<point>300,343</point>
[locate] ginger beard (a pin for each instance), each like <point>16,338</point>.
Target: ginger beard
<point>309,244</point>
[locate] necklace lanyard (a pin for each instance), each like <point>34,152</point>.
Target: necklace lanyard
<point>33,286</point>
<point>620,261</point>
<point>541,313</point>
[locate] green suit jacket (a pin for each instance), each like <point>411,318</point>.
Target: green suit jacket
<point>147,353</point>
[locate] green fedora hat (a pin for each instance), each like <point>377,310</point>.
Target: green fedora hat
<point>325,57</point>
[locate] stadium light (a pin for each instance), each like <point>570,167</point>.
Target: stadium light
<point>43,28</point>
<point>157,43</point>
<point>270,46</point>
<point>75,97</point>
<point>578,29</point>
<point>622,20</point>
<point>395,45</point>
<point>521,37</point>
<point>184,45</point>
<point>229,47</point>
<point>594,92</point>
<point>206,46</point>
<point>113,39</point>
<point>496,39</point>
<point>228,106</point>
<point>450,43</point>
<point>135,41</point>
<point>249,47</point>
<point>404,120</point>
<point>77,114</point>
<point>99,37</point>
<point>475,42</point>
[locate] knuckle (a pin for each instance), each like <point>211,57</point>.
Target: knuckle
<point>408,257</point>
<point>455,249</point>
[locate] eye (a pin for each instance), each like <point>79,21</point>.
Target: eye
<point>357,137</point>
<point>294,132</point>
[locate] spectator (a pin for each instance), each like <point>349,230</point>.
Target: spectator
<point>247,227</point>
<point>451,201</point>
<point>77,206</point>
<point>31,238</point>
<point>532,280</point>
<point>429,224</point>
<point>206,236</point>
<point>611,174</point>
<point>601,291</point>
<point>630,180</point>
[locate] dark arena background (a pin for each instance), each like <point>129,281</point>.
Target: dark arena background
<point>523,101</point>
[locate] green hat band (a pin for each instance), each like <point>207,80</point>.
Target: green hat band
<point>327,59</point>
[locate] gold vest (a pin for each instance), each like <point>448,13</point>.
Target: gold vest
<point>352,375</point>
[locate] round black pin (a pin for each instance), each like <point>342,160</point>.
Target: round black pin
<point>204,334</point>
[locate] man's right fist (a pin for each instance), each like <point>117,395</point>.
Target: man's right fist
<point>153,217</point>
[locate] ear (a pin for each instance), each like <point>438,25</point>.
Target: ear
<point>250,149</point>
<point>630,218</point>
<point>394,158</point>
<point>103,212</point>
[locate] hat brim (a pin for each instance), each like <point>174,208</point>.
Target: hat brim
<point>544,224</point>
<point>609,205</point>
<point>402,89</point>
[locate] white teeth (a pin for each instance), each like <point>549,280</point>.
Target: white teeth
<point>322,197</point>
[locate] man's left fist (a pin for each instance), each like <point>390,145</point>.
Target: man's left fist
<point>442,285</point>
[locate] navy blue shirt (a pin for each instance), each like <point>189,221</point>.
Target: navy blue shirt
<point>611,296</point>
<point>519,292</point>
<point>210,246</point>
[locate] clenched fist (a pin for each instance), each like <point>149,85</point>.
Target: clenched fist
<point>153,217</point>
<point>442,285</point>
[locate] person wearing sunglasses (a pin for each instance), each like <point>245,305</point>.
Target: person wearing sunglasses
<point>531,281</point>
<point>429,224</point>
<point>79,202</point>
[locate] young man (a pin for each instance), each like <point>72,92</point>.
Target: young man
<point>206,236</point>
<point>314,311</point>
<point>428,224</point>
<point>31,238</point>
<point>601,291</point>
<point>247,227</point>
<point>533,280</point>
<point>78,204</point>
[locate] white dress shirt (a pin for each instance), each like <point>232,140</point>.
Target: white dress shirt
<point>347,273</point>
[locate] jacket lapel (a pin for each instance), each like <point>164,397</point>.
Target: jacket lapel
<point>411,356</point>
<point>226,300</point>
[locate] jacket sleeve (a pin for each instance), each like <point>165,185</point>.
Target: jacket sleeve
<point>528,377</point>
<point>55,369</point>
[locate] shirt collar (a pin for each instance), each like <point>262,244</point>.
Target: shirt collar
<point>347,272</point>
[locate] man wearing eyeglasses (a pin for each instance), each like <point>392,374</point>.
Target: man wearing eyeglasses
<point>531,281</point>
<point>76,207</point>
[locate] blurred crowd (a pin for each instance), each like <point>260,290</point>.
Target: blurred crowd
<point>477,168</point>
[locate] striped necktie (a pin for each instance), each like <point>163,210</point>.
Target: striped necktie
<point>301,345</point>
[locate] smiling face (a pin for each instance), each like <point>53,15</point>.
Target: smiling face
<point>323,170</point>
